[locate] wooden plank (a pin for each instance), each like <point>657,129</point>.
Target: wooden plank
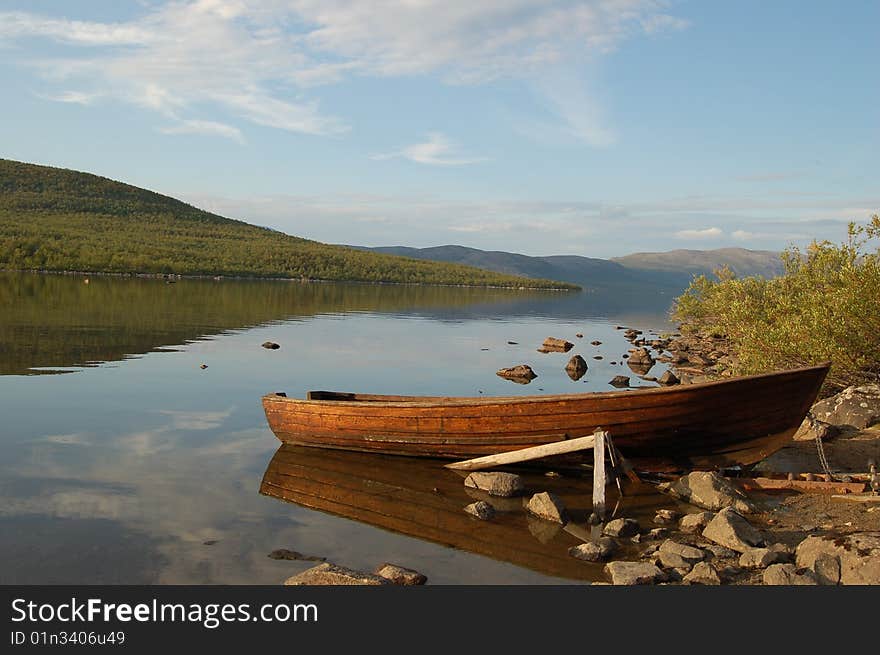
<point>817,486</point>
<point>599,473</point>
<point>524,454</point>
<point>858,499</point>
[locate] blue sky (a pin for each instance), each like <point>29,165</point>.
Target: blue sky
<point>598,127</point>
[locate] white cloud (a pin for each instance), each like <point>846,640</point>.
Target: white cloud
<point>576,110</point>
<point>72,97</point>
<point>19,23</point>
<point>437,150</point>
<point>254,60</point>
<point>707,233</point>
<point>204,127</point>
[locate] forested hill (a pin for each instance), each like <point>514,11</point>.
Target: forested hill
<point>55,219</point>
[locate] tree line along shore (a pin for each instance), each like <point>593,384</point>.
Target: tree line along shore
<point>59,220</point>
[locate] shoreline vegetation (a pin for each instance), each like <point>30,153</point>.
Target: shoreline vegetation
<point>173,277</point>
<point>59,220</point>
<point>825,307</point>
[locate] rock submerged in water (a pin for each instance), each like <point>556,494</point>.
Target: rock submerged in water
<point>576,367</point>
<point>619,381</point>
<point>522,374</point>
<point>554,345</point>
<point>284,553</point>
<point>495,483</point>
<point>594,551</point>
<point>548,506</point>
<point>481,510</point>
<point>400,575</point>
<point>333,574</point>
<point>622,528</point>
<point>271,345</point>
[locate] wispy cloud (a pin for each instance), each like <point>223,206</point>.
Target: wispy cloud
<point>547,227</point>
<point>256,61</point>
<point>436,150</point>
<point>211,128</point>
<point>72,97</point>
<point>777,176</point>
<point>575,110</point>
<point>707,233</point>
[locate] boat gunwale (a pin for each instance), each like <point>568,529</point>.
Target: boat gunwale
<point>463,401</point>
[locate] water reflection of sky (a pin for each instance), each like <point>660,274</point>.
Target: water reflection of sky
<point>122,473</point>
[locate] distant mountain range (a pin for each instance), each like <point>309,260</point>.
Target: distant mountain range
<point>743,262</point>
<point>670,271</point>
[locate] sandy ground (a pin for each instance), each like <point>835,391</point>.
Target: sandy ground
<point>791,517</point>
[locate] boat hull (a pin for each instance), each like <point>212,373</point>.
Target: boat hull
<point>739,421</point>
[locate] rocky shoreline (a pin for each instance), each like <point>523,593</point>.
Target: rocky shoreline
<point>716,528</point>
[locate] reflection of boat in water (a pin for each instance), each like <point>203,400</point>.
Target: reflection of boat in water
<point>421,499</point>
<point>738,421</point>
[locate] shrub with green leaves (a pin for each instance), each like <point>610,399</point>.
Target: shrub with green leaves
<point>826,307</point>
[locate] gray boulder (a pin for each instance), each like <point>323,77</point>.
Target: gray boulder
<point>495,483</point>
<point>640,356</point>
<point>709,490</point>
<point>597,551</point>
<point>703,573</point>
<point>788,574</point>
<point>720,552</point>
<point>400,575</point>
<point>331,574</point>
<point>694,523</point>
<point>633,573</point>
<point>622,528</point>
<point>731,530</point>
<point>657,533</point>
<point>668,379</point>
<point>812,428</point>
<point>481,510</point>
<point>548,506</point>
<point>853,559</point>
<point>665,516</point>
<point>674,555</point>
<point>649,552</point>
<point>854,407</point>
<point>759,558</point>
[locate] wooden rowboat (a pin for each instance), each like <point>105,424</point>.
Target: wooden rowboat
<point>738,421</point>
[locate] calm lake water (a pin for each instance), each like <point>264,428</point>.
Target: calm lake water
<point>123,461</point>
